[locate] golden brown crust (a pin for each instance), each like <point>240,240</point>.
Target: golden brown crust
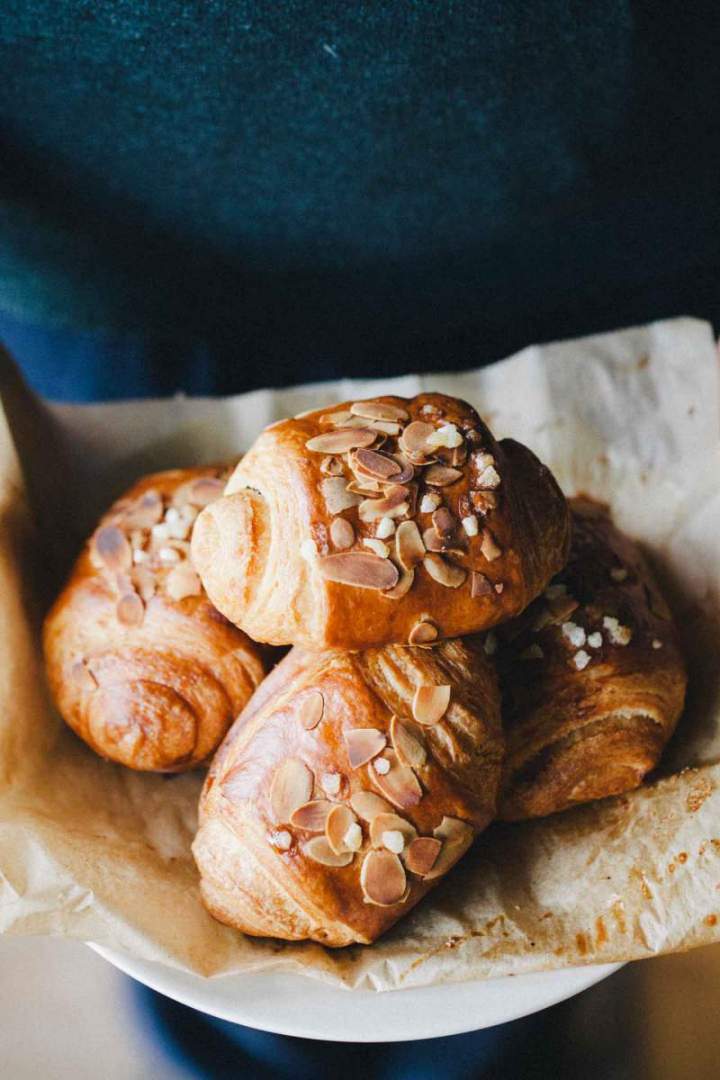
<point>256,872</point>
<point>140,664</point>
<point>271,551</point>
<point>592,675</point>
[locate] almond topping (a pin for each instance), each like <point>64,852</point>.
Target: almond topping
<point>320,851</point>
<point>311,816</point>
<point>457,836</point>
<point>409,546</point>
<point>479,585</point>
<point>339,821</point>
<point>430,502</point>
<point>112,548</point>
<point>404,584</point>
<point>421,855</point>
<point>483,501</point>
<point>407,473</point>
<point>378,546</point>
<point>430,703</point>
<point>470,524</point>
<point>488,478</point>
<point>363,744</point>
<point>446,436</point>
<point>336,495</point>
<point>342,533</point>
<point>393,504</point>
<point>394,841</point>
<point>399,785</point>
<point>391,822</point>
<point>444,572</point>
<point>441,475</point>
<point>382,878</point>
<point>145,512</point>
<point>489,547</point>
<point>144,581</point>
<point>362,570</point>
<point>378,410</point>
<point>130,610</point>
<point>414,439</point>
<point>291,786</point>
<point>331,466</point>
<point>341,440</point>
<point>433,541</point>
<point>423,633</point>
<point>385,528</point>
<point>182,581</point>
<point>408,746</point>
<point>443,522</point>
<point>311,710</point>
<point>379,466</point>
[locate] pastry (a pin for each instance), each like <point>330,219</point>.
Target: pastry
<point>378,522</point>
<point>355,784</point>
<point>139,662</point>
<point>592,675</point>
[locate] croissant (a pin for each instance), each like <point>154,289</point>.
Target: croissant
<point>380,522</point>
<point>592,675</point>
<point>349,786</point>
<point>139,662</point>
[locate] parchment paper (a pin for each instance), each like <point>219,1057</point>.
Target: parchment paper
<point>90,850</point>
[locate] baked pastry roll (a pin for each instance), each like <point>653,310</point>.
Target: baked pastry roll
<point>383,521</point>
<point>592,675</point>
<point>141,665</point>
<point>353,785</point>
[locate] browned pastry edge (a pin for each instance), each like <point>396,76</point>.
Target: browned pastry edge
<point>140,664</point>
<point>592,675</point>
<point>285,766</point>
<point>313,546</point>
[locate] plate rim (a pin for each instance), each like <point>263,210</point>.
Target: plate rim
<point>173,983</point>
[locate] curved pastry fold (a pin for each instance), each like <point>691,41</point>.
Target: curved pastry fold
<point>140,664</point>
<point>592,676</point>
<point>350,784</point>
<point>388,521</point>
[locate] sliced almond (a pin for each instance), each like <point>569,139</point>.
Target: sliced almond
<point>130,610</point>
<point>443,521</point>
<point>457,836</point>
<point>430,703</point>
<point>336,495</point>
<point>337,419</point>
<point>292,786</point>
<point>399,784</point>
<point>441,475</point>
<point>320,851</point>
<point>205,490</point>
<point>337,826</point>
<point>480,585</point>
<point>404,585</point>
<point>182,581</point>
<point>391,822</point>
<point>387,427</point>
<point>379,466</point>
<point>382,878</point>
<point>444,572</point>
<point>421,855</point>
<point>311,710</point>
<point>342,533</point>
<point>378,546</point>
<point>331,466</point>
<point>341,440</point>
<point>363,744</point>
<point>414,439</point>
<point>367,805</point>
<point>483,501</point>
<point>423,633</point>
<point>489,547</point>
<point>111,547</point>
<point>311,816</point>
<point>379,410</point>
<point>409,546</point>
<point>433,541</point>
<point>393,504</point>
<point>362,570</point>
<point>408,746</point>
<point>144,581</point>
<point>364,486</point>
<point>144,512</point>
<point>407,471</point>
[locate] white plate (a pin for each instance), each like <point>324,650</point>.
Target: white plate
<point>295,1005</point>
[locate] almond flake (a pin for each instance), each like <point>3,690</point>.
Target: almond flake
<point>364,487</point>
<point>408,746</point>
<point>292,786</point>
<point>337,419</point>
<point>489,479</point>
<point>422,854</point>
<point>443,522</point>
<point>378,546</point>
<point>470,525</point>
<point>657,643</point>
<point>281,839</point>
<point>311,710</point>
<point>319,850</point>
<point>378,410</point>
<point>367,805</point>
<point>480,585</point>
<point>409,546</point>
<point>339,821</point>
<point>447,435</point>
<point>341,440</point>
<point>382,878</point>
<point>533,652</point>
<point>391,822</point>
<point>311,816</point>
<point>112,548</point>
<point>331,466</point>
<point>399,785</point>
<point>430,703</point>
<point>413,440</point>
<point>392,840</point>
<point>130,610</point>
<point>363,744</point>
<point>406,474</point>
<point>144,582</point>
<point>444,572</point>
<point>573,633</point>
<point>336,495</point>
<point>430,502</point>
<point>457,836</point>
<point>144,512</point>
<point>423,632</point>
<point>381,766</point>
<point>353,837</point>
<point>386,427</point>
<point>483,501</point>
<point>618,634</point>
<point>581,659</point>
<point>489,547</point>
<point>618,573</point>
<point>595,640</point>
<point>342,533</point>
<point>385,528</point>
<point>441,475</point>
<point>393,504</point>
<point>182,581</point>
<point>362,570</point>
<point>403,586</point>
<point>377,465</point>
<point>331,782</point>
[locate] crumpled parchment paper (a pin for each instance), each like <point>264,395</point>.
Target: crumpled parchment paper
<point>93,851</point>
